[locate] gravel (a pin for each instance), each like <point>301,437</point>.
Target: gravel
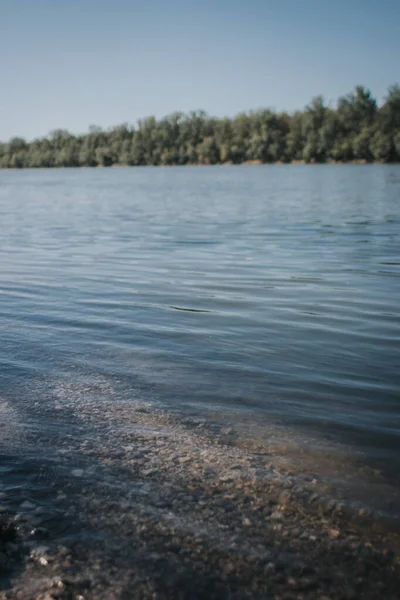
<point>156,506</point>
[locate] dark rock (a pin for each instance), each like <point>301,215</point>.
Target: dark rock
<point>8,531</point>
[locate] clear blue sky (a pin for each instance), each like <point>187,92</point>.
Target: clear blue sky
<point>72,63</point>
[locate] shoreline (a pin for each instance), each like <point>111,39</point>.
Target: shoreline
<point>156,504</point>
<point>249,163</point>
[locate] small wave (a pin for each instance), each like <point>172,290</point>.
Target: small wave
<point>196,310</point>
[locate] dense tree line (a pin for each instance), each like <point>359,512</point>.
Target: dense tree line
<point>357,129</point>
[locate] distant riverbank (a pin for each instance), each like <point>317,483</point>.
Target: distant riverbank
<point>247,163</point>
<point>259,163</point>
<point>357,130</point>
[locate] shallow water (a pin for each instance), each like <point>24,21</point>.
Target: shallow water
<point>262,298</point>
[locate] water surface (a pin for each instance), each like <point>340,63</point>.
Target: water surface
<point>266,297</point>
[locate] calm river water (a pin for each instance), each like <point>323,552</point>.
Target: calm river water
<point>263,298</point>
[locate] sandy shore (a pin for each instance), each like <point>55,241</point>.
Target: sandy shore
<point>156,505</point>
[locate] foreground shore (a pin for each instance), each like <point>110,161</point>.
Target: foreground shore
<point>152,505</point>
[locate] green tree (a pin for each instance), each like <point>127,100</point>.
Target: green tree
<point>356,129</point>
<point>103,157</point>
<point>313,121</point>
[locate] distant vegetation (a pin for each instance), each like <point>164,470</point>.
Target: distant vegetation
<point>356,130</point>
